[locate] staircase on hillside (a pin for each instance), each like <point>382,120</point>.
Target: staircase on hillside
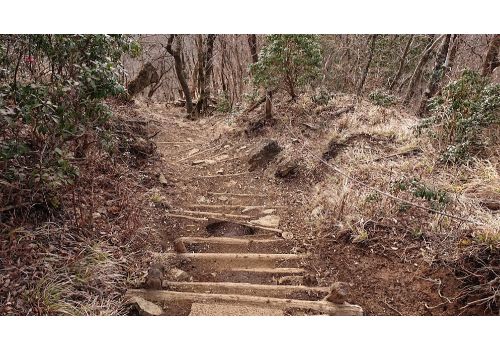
<point>237,276</point>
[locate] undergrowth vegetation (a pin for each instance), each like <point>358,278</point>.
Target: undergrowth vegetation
<point>52,91</point>
<point>68,203</point>
<point>465,117</point>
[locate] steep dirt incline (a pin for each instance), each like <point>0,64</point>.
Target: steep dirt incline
<point>230,255</point>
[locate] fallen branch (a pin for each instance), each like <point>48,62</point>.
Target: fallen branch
<point>236,206</point>
<point>205,219</point>
<point>340,111</point>
<point>221,175</point>
<point>401,153</point>
<point>198,153</point>
<point>236,194</point>
<point>258,102</point>
<point>214,214</point>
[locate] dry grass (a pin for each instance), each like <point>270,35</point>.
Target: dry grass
<point>381,150</point>
<point>81,260</point>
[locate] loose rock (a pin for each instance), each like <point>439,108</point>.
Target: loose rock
<point>264,156</point>
<point>145,308</point>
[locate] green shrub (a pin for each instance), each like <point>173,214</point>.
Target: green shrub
<point>288,61</point>
<point>223,103</point>
<point>460,116</point>
<point>382,98</point>
<point>52,92</point>
<point>322,97</point>
<point>435,197</point>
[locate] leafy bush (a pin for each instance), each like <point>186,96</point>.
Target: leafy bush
<point>435,197</point>
<point>382,98</point>
<point>460,117</point>
<point>52,91</point>
<point>223,103</point>
<point>288,61</point>
<point>322,97</point>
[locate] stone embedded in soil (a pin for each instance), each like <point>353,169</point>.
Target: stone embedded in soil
<point>145,308</point>
<point>291,280</point>
<point>264,156</point>
<point>338,293</point>
<point>162,179</point>
<point>179,275</point>
<point>288,167</point>
<point>268,211</point>
<point>268,221</point>
<point>287,235</point>
<point>197,162</point>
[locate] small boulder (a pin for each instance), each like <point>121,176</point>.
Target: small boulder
<point>144,307</point>
<point>288,167</point>
<point>179,275</point>
<point>268,221</point>
<point>338,293</point>
<point>265,155</point>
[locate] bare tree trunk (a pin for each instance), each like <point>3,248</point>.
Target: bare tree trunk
<point>179,70</point>
<point>491,60</point>
<point>201,73</point>
<point>269,104</point>
<point>401,63</point>
<point>452,53</point>
<point>252,43</point>
<point>208,68</point>
<point>368,62</point>
<point>417,73</point>
<point>437,75</point>
<point>204,71</point>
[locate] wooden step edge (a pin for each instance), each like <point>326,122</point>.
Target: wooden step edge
<point>233,256</point>
<point>241,288</point>
<point>227,240</point>
<point>276,303</point>
<point>270,270</point>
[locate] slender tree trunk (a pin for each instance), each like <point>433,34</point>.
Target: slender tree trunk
<point>491,60</point>
<point>401,63</point>
<point>205,70</point>
<point>452,53</point>
<point>417,73</point>
<point>437,75</point>
<point>179,70</point>
<point>372,39</point>
<point>252,43</point>
<point>269,104</point>
<point>208,68</point>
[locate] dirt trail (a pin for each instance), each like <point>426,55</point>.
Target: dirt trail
<point>236,265</point>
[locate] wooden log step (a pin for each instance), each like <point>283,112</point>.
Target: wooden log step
<point>271,271</point>
<point>254,275</point>
<point>237,260</point>
<point>212,214</point>
<point>228,240</point>
<point>234,256</point>
<point>233,245</point>
<point>263,290</point>
<point>170,297</point>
